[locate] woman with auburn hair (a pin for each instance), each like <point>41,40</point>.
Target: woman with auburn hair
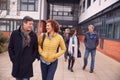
<point>48,49</point>
<point>41,27</point>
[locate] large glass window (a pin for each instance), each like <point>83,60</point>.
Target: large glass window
<point>28,5</point>
<point>61,11</point>
<point>64,13</point>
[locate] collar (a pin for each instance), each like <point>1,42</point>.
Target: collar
<point>21,32</point>
<point>53,34</point>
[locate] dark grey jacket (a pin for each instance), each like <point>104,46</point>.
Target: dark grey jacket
<point>91,40</point>
<point>22,58</point>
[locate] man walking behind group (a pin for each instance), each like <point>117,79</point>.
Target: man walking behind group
<point>66,37</point>
<point>23,50</point>
<point>91,41</point>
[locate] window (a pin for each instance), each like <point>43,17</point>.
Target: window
<point>79,11</point>
<point>3,4</point>
<point>88,3</point>
<point>83,6</point>
<point>59,13</point>
<point>110,14</point>
<point>110,30</point>
<point>94,0</point>
<point>70,26</point>
<point>117,31</point>
<point>117,12</point>
<point>28,5</point>
<point>66,13</point>
<point>4,25</point>
<point>99,2</point>
<point>64,26</point>
<point>55,13</point>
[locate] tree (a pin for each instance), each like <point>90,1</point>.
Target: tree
<point>3,40</point>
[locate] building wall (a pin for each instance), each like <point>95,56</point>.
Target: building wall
<point>94,8</point>
<point>15,14</point>
<point>110,48</point>
<point>10,19</point>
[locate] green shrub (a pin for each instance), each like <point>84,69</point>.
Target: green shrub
<point>3,43</point>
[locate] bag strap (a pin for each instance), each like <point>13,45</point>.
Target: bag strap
<point>43,38</point>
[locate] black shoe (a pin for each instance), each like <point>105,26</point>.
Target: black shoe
<point>84,67</point>
<point>91,71</point>
<point>71,70</point>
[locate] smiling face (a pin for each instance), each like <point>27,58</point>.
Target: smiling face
<point>28,26</point>
<point>49,28</point>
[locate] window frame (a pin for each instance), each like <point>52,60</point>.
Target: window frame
<point>27,3</point>
<point>2,3</point>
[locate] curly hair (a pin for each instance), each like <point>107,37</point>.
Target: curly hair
<point>54,24</point>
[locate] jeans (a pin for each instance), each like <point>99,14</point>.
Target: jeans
<point>48,71</point>
<point>22,79</point>
<point>93,53</point>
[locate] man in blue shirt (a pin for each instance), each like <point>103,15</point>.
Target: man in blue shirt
<point>91,41</point>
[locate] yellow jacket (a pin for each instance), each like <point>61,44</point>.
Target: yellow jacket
<point>49,52</point>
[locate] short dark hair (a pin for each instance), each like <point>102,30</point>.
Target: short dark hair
<point>54,24</point>
<point>72,31</point>
<point>26,19</point>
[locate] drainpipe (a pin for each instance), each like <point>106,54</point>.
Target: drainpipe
<point>40,10</point>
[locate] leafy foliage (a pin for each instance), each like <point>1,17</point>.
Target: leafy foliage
<point>3,41</point>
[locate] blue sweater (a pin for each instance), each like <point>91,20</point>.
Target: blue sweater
<point>91,40</point>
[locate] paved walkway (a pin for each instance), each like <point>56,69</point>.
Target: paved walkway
<point>105,69</point>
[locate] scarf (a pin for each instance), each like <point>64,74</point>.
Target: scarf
<point>70,50</point>
<point>26,37</point>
